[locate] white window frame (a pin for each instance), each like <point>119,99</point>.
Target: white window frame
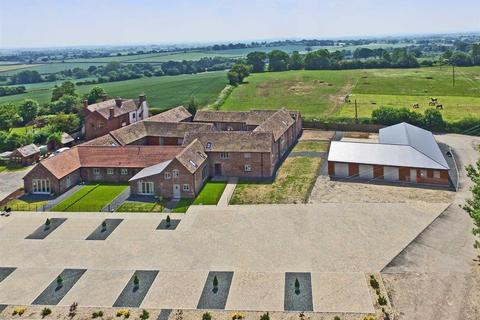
<point>436,174</point>
<point>247,168</point>
<point>96,171</point>
<point>224,155</point>
<point>144,190</point>
<point>175,173</point>
<point>186,187</point>
<point>41,186</point>
<point>124,171</point>
<point>423,173</point>
<point>247,155</point>
<point>68,181</point>
<point>167,175</point>
<point>110,171</point>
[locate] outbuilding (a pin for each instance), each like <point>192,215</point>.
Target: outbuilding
<point>25,155</point>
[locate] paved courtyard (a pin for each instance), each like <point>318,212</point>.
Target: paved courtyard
<point>11,181</point>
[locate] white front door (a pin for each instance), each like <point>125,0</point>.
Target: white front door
<point>176,191</point>
<point>413,175</point>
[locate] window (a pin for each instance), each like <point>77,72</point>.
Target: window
<point>204,172</point>
<point>110,171</point>
<point>223,155</point>
<point>247,155</point>
<point>68,182</point>
<point>145,187</point>
<point>124,124</point>
<point>167,175</point>
<point>41,186</point>
<point>436,174</point>
<point>229,128</point>
<point>175,173</point>
<point>124,171</point>
<point>423,173</point>
<point>186,187</point>
<point>96,171</point>
<point>100,124</point>
<point>247,168</point>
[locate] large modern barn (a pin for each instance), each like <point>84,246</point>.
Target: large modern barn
<point>404,153</point>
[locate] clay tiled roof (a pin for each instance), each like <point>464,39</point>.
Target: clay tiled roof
<point>193,156</point>
<point>103,108</point>
<point>177,114</point>
<point>108,157</point>
<point>278,123</point>
<point>106,140</point>
<point>28,150</point>
<point>130,133</point>
<point>256,117</point>
<point>66,138</point>
<point>233,141</point>
<point>221,116</point>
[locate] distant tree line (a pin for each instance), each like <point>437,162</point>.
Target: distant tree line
<point>8,91</point>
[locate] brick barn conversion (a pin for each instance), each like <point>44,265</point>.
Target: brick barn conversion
<point>172,154</point>
<point>404,153</point>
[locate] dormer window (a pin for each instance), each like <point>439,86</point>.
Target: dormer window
<point>193,163</point>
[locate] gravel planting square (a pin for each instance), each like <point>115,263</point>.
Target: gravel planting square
<point>173,224</point>
<point>4,306</point>
<point>215,299</point>
<point>5,272</point>
<point>55,292</point>
<point>102,233</point>
<point>300,300</point>
<point>164,314</point>
<point>43,231</point>
<point>132,296</point>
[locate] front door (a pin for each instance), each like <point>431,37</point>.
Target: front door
<point>413,175</point>
<point>176,191</point>
<point>218,169</point>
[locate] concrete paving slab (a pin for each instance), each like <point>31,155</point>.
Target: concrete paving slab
<point>175,290</point>
<point>135,230</point>
<point>18,227</point>
<point>341,292</point>
<point>256,291</point>
<point>5,272</point>
<point>76,229</point>
<point>24,285</point>
<point>98,288</point>
<point>55,291</point>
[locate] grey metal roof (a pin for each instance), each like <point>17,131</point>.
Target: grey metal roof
<point>421,140</point>
<point>151,171</point>
<point>381,154</point>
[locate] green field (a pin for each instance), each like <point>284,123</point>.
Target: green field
<point>91,198</point>
<point>310,92</point>
<point>210,193</point>
<point>162,92</point>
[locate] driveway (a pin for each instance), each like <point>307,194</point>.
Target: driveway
<point>435,277</point>
<point>11,181</point>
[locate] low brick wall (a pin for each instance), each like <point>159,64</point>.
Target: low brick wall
<point>342,126</point>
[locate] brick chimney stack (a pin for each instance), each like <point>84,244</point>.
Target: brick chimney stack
<point>112,112</point>
<point>104,97</point>
<point>141,98</point>
<point>85,103</point>
<point>118,102</point>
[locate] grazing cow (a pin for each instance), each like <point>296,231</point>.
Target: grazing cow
<point>416,106</point>
<point>440,106</point>
<point>433,101</point>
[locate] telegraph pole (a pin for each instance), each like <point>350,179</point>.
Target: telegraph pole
<point>453,74</point>
<point>356,112</point>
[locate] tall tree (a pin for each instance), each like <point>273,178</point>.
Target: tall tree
<point>95,94</point>
<point>66,88</point>
<point>9,116</point>
<point>192,105</point>
<point>296,61</point>
<point>257,60</point>
<point>238,72</point>
<point>28,110</point>
<point>472,206</point>
<point>277,60</point>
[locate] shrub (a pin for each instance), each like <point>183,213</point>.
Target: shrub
<point>59,281</point>
<point>265,316</point>
<point>237,316</point>
<point>337,318</point>
<point>104,225</point>
<point>19,311</point>
<point>47,223</point>
<point>123,312</point>
<point>136,281</point>
<point>46,312</point>
<point>374,282</point>
<point>297,286</point>
<point>369,318</point>
<point>382,301</point>
<point>206,316</point>
<point>168,220</point>
<point>215,283</point>
<point>145,315</point>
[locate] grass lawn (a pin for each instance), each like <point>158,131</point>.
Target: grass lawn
<point>312,146</point>
<point>21,130</point>
<point>162,92</point>
<point>182,206</point>
<point>11,168</point>
<point>313,93</point>
<point>137,206</point>
<point>91,198</point>
<point>210,193</point>
<point>23,204</point>
<point>293,184</point>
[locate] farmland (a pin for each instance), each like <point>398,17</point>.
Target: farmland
<point>162,92</point>
<point>321,93</point>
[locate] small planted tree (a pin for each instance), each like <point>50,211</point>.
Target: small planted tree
<point>104,226</point>
<point>206,316</point>
<point>215,284</point>
<point>265,316</point>
<point>47,224</point>
<point>59,282</point>
<point>136,282</point>
<point>374,283</point>
<point>168,222</point>
<point>46,312</point>
<point>297,286</point>
<point>145,315</point>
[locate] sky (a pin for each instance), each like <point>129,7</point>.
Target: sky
<point>45,23</point>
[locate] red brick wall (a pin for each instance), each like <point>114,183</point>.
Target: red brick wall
<point>234,166</point>
<point>87,174</point>
<point>93,119</point>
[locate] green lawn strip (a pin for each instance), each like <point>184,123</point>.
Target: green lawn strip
<point>74,198</point>
<point>311,146</point>
<point>137,206</point>
<point>182,205</point>
<point>25,205</point>
<point>210,193</point>
<point>292,184</point>
<point>3,168</point>
<point>21,130</point>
